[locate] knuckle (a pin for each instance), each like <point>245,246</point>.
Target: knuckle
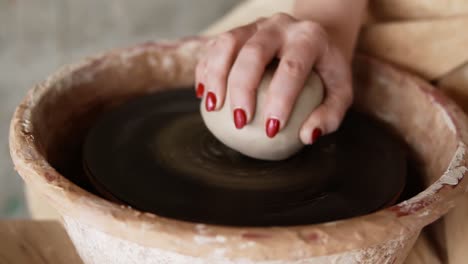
<point>304,39</point>
<point>254,50</point>
<point>281,17</point>
<point>309,33</point>
<point>201,68</point>
<point>227,39</point>
<point>277,109</point>
<point>311,27</point>
<point>216,72</point>
<point>294,67</point>
<point>236,84</point>
<point>211,42</point>
<point>344,97</point>
<point>282,104</point>
<point>240,85</point>
<point>333,114</point>
<point>241,93</point>
<point>247,92</point>
<point>333,122</point>
<point>260,20</point>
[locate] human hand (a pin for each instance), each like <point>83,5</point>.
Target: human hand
<point>236,60</point>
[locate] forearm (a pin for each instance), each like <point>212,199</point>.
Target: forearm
<point>341,18</point>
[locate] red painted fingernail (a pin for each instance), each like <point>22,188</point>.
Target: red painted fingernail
<point>316,134</point>
<point>200,90</point>
<point>240,118</point>
<point>210,102</point>
<point>272,127</point>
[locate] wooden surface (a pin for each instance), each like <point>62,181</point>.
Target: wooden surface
<point>40,242</point>
<point>35,242</point>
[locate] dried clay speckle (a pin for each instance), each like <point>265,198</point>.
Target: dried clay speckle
<point>200,227</point>
<point>219,252</point>
<point>247,245</point>
<point>208,239</point>
<point>95,246</point>
<point>456,170</point>
<point>168,62</point>
<point>451,177</point>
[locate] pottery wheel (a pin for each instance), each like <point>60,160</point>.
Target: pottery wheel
<point>155,154</point>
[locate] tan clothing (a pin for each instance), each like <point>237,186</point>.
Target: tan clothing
<point>426,37</point>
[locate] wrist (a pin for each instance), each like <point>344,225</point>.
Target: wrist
<point>341,19</point>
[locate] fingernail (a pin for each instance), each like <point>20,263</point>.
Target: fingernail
<point>316,134</point>
<point>210,102</point>
<point>200,90</point>
<point>240,118</point>
<point>272,127</point>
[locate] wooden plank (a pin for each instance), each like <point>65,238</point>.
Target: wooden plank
<point>423,252</point>
<point>38,242</point>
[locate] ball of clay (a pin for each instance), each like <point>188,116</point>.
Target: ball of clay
<point>252,140</point>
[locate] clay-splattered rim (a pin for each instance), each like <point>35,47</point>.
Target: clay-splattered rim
<point>201,240</point>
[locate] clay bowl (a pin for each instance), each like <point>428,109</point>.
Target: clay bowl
<point>49,125</point>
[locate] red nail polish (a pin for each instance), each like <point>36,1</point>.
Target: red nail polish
<point>210,102</point>
<point>316,134</point>
<point>240,118</point>
<point>272,127</point>
<point>200,90</point>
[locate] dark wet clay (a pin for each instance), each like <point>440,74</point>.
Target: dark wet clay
<point>155,154</point>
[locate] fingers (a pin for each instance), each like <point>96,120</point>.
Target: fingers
<point>247,72</point>
<point>302,46</point>
<point>236,61</point>
<point>336,76</point>
<point>213,69</point>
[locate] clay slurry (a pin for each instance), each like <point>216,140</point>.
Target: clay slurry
<point>155,154</point>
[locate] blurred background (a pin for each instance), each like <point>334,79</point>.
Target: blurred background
<point>38,36</point>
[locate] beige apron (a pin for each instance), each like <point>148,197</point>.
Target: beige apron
<point>428,38</point>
